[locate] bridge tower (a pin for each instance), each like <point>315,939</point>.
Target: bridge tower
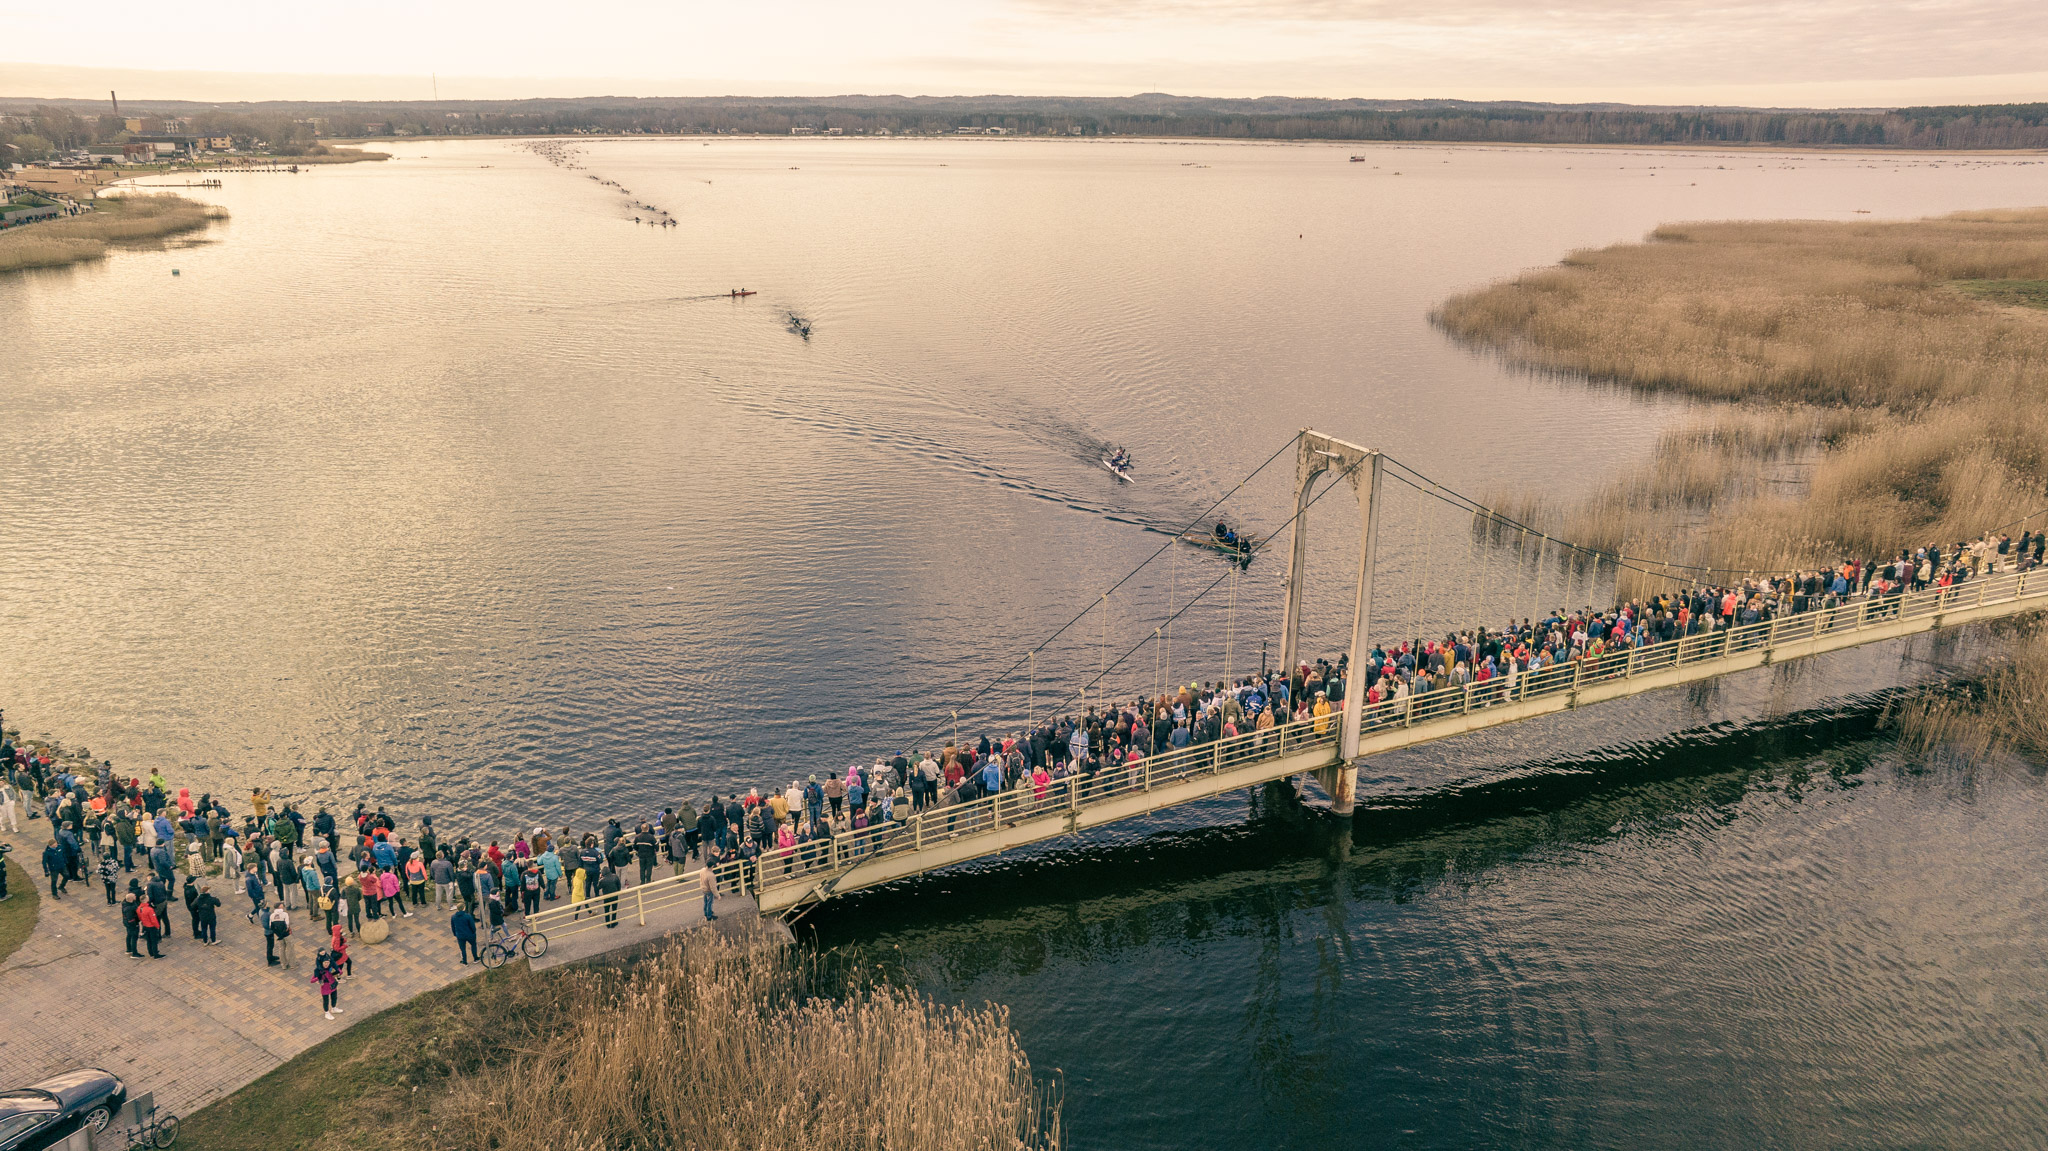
<point>1316,454</point>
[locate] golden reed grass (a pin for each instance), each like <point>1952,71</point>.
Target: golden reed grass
<point>735,1044</point>
<point>1882,396</point>
<point>127,219</point>
<point>1907,411</point>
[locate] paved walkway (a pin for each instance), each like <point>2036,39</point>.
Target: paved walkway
<point>203,1021</point>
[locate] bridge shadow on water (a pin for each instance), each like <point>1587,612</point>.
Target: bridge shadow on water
<point>1288,853</point>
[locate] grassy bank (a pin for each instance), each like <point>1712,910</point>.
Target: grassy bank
<point>123,220</point>
<point>717,1044</point>
<point>18,912</point>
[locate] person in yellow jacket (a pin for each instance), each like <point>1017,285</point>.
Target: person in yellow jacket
<point>1322,712</point>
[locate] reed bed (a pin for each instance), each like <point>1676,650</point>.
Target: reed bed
<point>126,219</point>
<point>2001,707</point>
<point>1886,384</point>
<point>719,1044</point>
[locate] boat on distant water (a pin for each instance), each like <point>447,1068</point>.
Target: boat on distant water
<point>1358,159</point>
<point>1120,471</point>
<point>738,292</point>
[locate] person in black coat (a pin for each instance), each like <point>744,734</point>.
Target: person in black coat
<point>132,922</point>
<point>205,925</point>
<point>158,893</point>
<point>608,890</point>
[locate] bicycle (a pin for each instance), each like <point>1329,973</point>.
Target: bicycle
<point>147,1126</point>
<point>530,943</point>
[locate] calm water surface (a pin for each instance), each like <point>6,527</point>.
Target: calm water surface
<point>439,482</point>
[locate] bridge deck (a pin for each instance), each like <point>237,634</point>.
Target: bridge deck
<point>941,837</point>
<point>944,836</point>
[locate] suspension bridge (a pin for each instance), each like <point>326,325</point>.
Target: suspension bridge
<point>1329,748</point>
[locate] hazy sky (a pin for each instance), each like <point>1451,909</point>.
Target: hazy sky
<point>1793,52</point>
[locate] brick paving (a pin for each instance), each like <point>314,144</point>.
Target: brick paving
<point>203,1021</point>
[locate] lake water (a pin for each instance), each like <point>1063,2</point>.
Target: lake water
<point>442,483</point>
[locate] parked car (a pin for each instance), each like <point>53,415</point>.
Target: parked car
<point>44,1114</point>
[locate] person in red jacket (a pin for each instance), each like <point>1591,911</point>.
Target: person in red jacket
<point>152,927</point>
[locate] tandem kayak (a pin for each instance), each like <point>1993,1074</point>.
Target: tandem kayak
<point>1123,474</point>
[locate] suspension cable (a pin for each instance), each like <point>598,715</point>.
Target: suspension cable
<point>1128,576</point>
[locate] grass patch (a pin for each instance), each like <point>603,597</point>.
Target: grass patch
<point>18,913</point>
<point>717,1043</point>
<point>2024,293</point>
<point>357,1089</point>
<point>122,220</point>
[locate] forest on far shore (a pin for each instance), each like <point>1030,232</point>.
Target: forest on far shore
<point>78,123</point>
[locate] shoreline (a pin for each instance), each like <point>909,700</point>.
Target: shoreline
<point>1220,141</point>
<point>93,235</point>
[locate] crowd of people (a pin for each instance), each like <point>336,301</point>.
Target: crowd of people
<point>152,847</point>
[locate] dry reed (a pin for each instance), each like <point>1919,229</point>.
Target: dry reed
<point>127,219</point>
<point>1995,709</point>
<point>1885,397</point>
<point>1908,412</point>
<point>722,1044</point>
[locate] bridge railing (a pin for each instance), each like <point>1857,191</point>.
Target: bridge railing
<point>634,903</point>
<point>817,860</point>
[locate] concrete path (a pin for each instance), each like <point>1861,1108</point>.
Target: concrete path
<point>205,1021</point>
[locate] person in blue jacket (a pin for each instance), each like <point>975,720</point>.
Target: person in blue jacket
<point>252,883</point>
<point>55,867</point>
<point>463,926</point>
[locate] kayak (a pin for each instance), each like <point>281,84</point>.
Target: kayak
<point>1123,474</point>
<point>1242,548</point>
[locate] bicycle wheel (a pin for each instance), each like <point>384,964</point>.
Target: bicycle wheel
<point>536,945</point>
<point>494,956</point>
<point>164,1131</point>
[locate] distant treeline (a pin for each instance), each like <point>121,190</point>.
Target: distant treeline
<point>78,123</point>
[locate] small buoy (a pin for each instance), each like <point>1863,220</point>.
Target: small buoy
<point>174,271</point>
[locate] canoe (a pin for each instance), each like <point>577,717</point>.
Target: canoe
<point>1120,473</point>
